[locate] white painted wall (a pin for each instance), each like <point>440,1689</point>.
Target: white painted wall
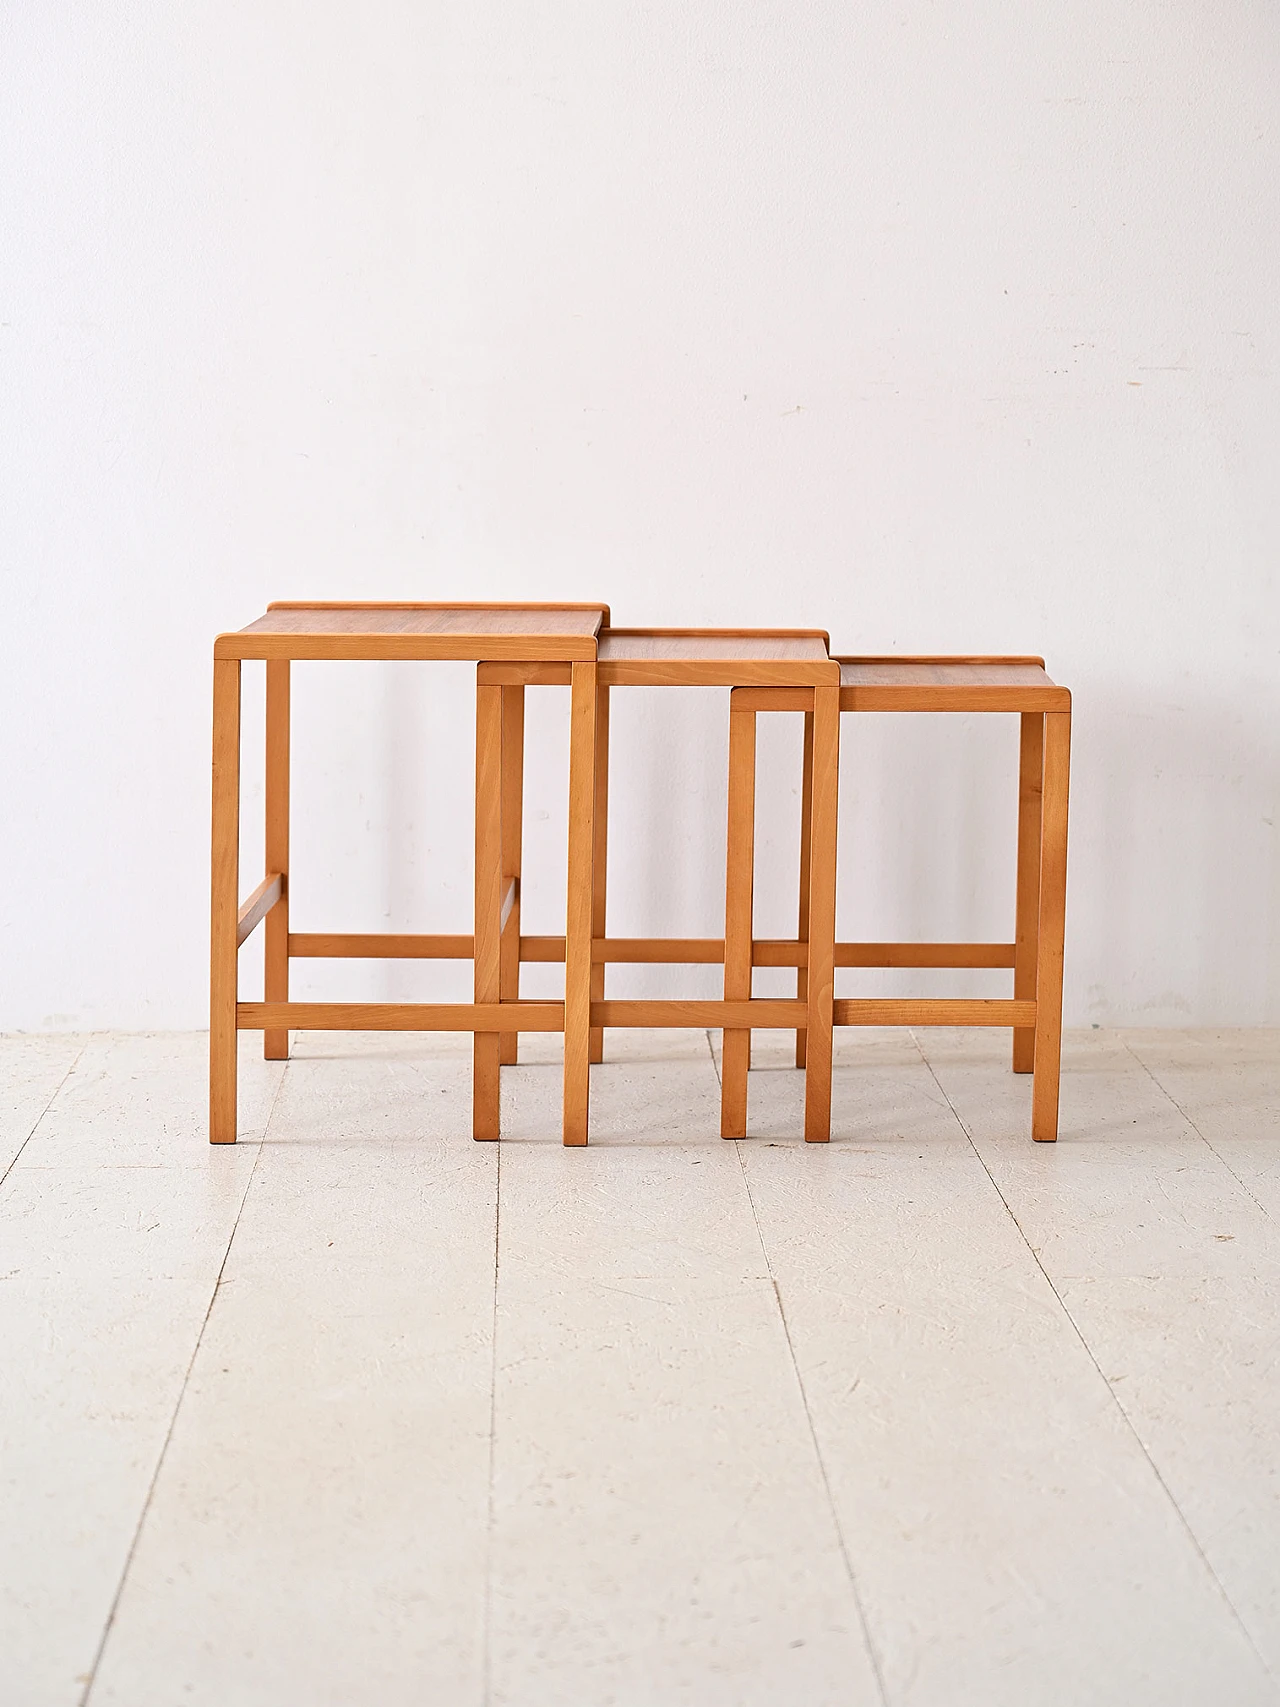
<point>943,326</point>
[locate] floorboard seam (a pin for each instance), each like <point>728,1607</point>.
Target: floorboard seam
<point>1166,1092</point>
<point>851,1575</point>
<point>715,1065</point>
<point>182,1393</point>
<point>39,1120</point>
<point>1088,1351</point>
<point>486,1660</point>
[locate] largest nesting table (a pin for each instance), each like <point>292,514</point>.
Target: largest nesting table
<point>564,636</point>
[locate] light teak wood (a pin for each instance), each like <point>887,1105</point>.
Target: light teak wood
<point>739,891</point>
<point>512,852</point>
<point>780,670</point>
<point>699,1016</point>
<point>275,1044</point>
<point>927,1010</point>
<point>796,658</point>
<point>1030,805</point>
<point>361,945</point>
<point>495,1017</point>
<point>806,846</point>
<point>553,636</point>
<point>1053,912</point>
<point>601,861</point>
<point>815,958</point>
<point>713,657</point>
<point>1035,1014</point>
<point>578,910</point>
<point>258,906</point>
<point>487,1018</point>
<point>820,983</point>
<point>949,684</point>
<point>647,951</point>
<point>224,896</point>
<point>488,908</point>
<point>702,646</point>
<point>524,673</point>
<point>326,631</point>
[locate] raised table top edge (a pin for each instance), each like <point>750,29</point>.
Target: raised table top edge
<point>371,648</point>
<point>439,630</point>
<point>443,604</point>
<point>961,682</point>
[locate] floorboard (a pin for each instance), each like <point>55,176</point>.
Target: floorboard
<point>662,1532</point>
<point>1170,1272</point>
<point>993,1500</point>
<point>32,1070</point>
<point>318,1531</point>
<point>360,1411</point>
<point>114,1223</point>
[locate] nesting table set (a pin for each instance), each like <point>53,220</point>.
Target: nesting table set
<point>519,646</point>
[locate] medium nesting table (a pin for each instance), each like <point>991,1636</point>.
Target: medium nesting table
<point>793,662</point>
<point>563,637</point>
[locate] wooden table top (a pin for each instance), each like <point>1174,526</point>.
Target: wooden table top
<point>949,684</point>
<point>714,657</point>
<point>457,631</point>
<point>678,645</point>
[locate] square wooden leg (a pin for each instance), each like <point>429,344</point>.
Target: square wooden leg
<point>822,914</point>
<point>1027,929</point>
<point>578,911</point>
<point>1053,910</point>
<point>488,907</point>
<point>512,849</point>
<point>806,844</point>
<point>275,1044</point>
<point>600,873</point>
<point>224,900</point>
<point>738,910</point>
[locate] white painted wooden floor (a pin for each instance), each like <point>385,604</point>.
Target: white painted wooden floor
<point>362,1412</point>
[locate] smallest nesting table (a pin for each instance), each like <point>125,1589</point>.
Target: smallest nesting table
<point>967,684</point>
<point>564,634</point>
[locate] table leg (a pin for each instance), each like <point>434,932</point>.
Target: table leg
<point>488,907</point>
<point>600,873</point>
<point>578,911</point>
<point>275,1044</point>
<point>1053,909</point>
<point>512,849</point>
<point>738,910</point>
<point>1027,928</point>
<point>224,900</point>
<point>806,844</point>
<point>820,985</point>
